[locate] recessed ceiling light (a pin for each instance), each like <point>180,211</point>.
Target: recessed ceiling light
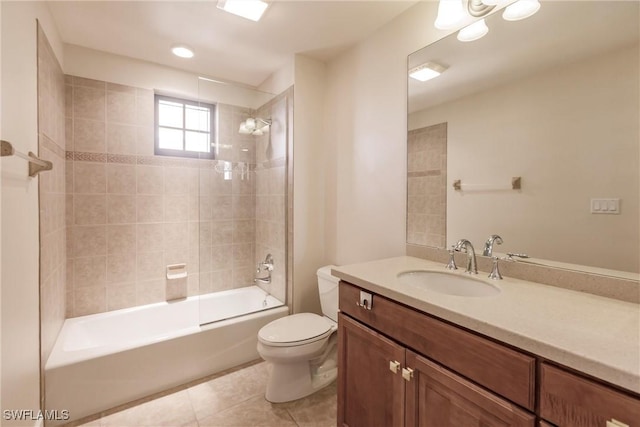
<point>250,9</point>
<point>426,71</point>
<point>182,51</point>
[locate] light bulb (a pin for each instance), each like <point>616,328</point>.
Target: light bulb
<point>521,9</point>
<point>473,32</point>
<point>450,14</point>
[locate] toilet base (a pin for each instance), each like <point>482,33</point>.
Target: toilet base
<point>294,381</point>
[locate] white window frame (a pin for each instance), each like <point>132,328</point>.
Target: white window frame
<point>210,154</point>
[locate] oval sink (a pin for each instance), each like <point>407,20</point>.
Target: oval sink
<point>449,284</point>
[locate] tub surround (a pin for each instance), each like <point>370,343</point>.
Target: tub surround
<point>568,327</point>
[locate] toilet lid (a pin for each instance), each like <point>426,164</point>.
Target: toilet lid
<point>294,329</point>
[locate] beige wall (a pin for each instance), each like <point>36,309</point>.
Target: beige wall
<point>20,305</point>
<point>568,150</point>
<point>366,135</point>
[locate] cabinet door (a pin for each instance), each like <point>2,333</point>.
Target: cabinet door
<point>436,397</point>
<point>569,400</point>
<point>370,394</point>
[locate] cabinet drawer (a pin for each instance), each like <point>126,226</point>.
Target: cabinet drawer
<point>496,367</point>
<point>570,400</point>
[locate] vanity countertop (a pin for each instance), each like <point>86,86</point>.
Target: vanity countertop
<point>593,334</point>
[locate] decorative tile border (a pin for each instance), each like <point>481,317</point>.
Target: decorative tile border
<point>130,159</point>
<point>424,173</point>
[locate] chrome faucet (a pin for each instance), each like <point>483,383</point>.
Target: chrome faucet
<point>488,245</point>
<point>464,244</point>
<point>266,265</point>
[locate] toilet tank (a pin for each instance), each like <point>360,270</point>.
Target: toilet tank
<point>328,289</point>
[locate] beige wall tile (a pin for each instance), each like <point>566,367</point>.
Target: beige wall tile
<point>176,208</point>
<point>121,239</point>
<point>176,235</point>
<point>150,208</point>
<point>121,139</point>
<point>149,292</point>
<point>89,177</point>
<point>176,181</point>
<point>121,268</point>
<point>221,257</point>
<point>150,179</point>
<point>89,135</point>
<point>121,209</point>
<point>89,271</point>
<point>150,237</point>
<point>121,179</point>
<point>150,265</point>
<point>121,107</point>
<point>89,240</point>
<point>90,300</point>
<point>221,207</point>
<point>145,140</point>
<point>121,296</point>
<point>145,108</point>
<point>89,103</point>
<point>89,209</point>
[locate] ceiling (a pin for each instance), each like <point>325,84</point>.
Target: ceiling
<point>227,47</point>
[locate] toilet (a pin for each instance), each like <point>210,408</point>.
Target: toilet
<point>302,348</point>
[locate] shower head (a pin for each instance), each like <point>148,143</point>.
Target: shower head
<point>254,126</point>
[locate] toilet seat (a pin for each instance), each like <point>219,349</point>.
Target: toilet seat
<point>295,330</point>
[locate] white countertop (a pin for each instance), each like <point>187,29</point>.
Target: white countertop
<point>593,334</point>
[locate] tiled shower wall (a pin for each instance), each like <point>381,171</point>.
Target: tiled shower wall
<point>51,147</point>
<point>426,186</point>
<point>130,213</point>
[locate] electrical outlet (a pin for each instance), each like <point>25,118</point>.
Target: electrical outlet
<point>605,206</point>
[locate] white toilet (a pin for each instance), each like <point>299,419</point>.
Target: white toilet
<point>302,348</point>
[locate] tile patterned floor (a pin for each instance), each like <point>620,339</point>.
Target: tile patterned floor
<point>235,399</point>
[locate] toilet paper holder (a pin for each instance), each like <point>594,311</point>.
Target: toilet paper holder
<point>176,271</point>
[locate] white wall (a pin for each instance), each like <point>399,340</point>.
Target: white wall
<point>365,139</point>
<point>20,245</point>
<point>573,136</point>
<point>308,182</point>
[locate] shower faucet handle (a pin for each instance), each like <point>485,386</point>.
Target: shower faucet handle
<point>267,264</point>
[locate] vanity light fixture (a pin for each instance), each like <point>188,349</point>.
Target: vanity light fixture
<point>249,9</point>
<point>427,71</point>
<point>254,126</point>
<point>454,14</point>
<point>521,9</point>
<point>182,51</point>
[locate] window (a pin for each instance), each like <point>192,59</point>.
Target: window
<point>184,128</point>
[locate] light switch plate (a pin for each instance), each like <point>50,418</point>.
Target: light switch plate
<point>605,206</point>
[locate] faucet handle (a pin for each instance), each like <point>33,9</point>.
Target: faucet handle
<point>495,270</point>
<point>510,256</point>
<point>451,265</point>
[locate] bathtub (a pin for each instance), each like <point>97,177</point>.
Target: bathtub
<point>104,360</point>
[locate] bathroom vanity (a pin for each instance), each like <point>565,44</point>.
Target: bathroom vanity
<point>529,355</point>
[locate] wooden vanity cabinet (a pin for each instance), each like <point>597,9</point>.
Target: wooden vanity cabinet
<point>401,367</point>
<point>570,400</point>
<point>385,382</point>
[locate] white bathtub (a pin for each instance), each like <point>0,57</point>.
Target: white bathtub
<point>104,360</point>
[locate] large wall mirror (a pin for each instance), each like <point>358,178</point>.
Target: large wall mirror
<point>553,99</point>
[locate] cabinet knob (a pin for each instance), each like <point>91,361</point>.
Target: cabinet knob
<point>394,365</point>
<point>615,423</point>
<point>407,373</point>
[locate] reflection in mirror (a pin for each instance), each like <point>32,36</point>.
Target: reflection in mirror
<point>553,99</point>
